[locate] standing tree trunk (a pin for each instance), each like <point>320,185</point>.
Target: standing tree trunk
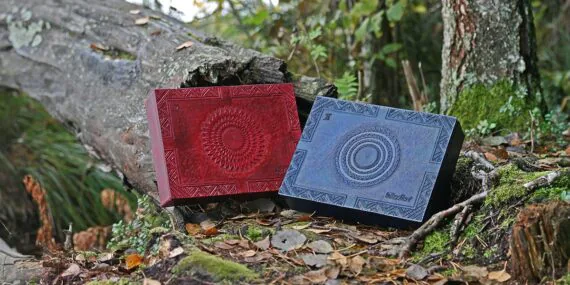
<point>489,63</point>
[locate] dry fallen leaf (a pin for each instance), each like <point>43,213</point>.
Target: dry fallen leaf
<point>319,231</point>
<point>258,257</point>
<point>490,157</point>
<point>72,270</point>
<point>263,244</point>
<point>316,277</point>
<point>98,47</point>
<point>416,272</point>
<point>366,238</point>
<point>185,45</point>
<point>193,229</point>
<point>474,271</point>
<point>176,252</point>
<point>247,253</point>
<point>133,260</point>
<point>332,272</point>
<point>316,260</point>
<point>244,244</point>
<point>287,240</point>
<point>339,259</point>
<point>501,276</point>
<point>207,224</point>
<point>356,264</point>
<point>148,281</point>
<point>142,21</point>
<point>301,226</point>
<point>211,231</point>
<point>232,241</point>
<point>320,246</point>
<point>223,245</point>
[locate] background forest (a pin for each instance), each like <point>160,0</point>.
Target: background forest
<point>371,50</point>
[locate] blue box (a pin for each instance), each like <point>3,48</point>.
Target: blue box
<point>373,164</point>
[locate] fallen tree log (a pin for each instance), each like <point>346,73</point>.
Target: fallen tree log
<point>92,66</point>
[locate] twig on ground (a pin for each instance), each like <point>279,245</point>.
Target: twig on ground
<point>479,159</point>
<point>436,219</point>
<point>545,180</point>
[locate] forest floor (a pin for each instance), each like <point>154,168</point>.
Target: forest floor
<point>263,242</point>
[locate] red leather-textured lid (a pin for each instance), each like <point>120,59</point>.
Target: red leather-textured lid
<point>218,141</point>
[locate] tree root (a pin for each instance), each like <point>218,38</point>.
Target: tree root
<point>409,243</point>
<point>479,159</point>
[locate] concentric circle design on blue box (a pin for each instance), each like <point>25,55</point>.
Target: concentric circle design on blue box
<point>367,156</point>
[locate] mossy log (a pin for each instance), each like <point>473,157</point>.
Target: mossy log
<point>92,67</point>
<point>489,62</point>
<point>540,242</point>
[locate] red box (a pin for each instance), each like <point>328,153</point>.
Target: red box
<point>220,141</point>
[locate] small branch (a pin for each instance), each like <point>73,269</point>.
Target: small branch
<point>479,159</point>
<point>360,85</point>
<point>424,86</point>
<point>545,180</point>
<point>417,97</point>
<point>436,219</point>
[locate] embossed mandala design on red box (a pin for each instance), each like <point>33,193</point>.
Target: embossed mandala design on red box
<point>219,141</point>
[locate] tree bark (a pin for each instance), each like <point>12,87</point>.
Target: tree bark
<point>92,67</point>
<point>540,242</point>
<point>485,42</point>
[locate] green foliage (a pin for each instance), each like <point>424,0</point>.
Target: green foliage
<point>34,143</point>
<point>347,86</point>
<point>484,128</point>
<point>137,233</point>
<point>209,265</point>
<point>551,126</point>
<point>329,39</point>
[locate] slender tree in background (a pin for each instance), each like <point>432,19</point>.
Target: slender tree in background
<point>489,62</point>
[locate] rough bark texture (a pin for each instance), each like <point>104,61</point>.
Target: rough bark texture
<point>92,67</point>
<point>486,42</point>
<point>540,242</point>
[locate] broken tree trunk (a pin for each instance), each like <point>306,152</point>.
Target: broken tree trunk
<point>91,66</point>
<point>540,242</point>
<point>489,62</point>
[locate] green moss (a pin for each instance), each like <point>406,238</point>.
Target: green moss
<point>474,227</point>
<point>435,242</point>
<point>490,252</point>
<point>448,272</point>
<point>469,251</point>
<point>510,185</point>
<point>254,233</point>
<point>500,103</point>
<point>218,268</point>
<point>257,233</point>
